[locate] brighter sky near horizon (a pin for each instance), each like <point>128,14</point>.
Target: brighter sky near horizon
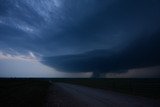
<point>28,66</point>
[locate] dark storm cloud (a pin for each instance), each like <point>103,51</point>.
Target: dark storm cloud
<point>112,26</point>
<point>142,53</point>
<point>123,34</point>
<point>44,23</point>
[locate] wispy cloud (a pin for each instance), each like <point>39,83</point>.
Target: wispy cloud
<point>28,57</point>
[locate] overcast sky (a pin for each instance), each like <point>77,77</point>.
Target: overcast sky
<point>79,38</point>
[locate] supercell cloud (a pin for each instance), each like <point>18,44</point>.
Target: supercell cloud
<point>99,36</point>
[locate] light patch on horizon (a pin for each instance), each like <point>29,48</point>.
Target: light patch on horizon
<point>147,72</point>
<point>28,66</point>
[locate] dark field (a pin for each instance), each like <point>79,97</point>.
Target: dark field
<point>34,92</point>
<point>22,93</point>
<point>141,87</point>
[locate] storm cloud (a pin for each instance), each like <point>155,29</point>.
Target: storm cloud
<point>142,53</point>
<point>100,36</point>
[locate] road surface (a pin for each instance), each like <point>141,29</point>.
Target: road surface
<point>53,94</point>
<point>68,95</point>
